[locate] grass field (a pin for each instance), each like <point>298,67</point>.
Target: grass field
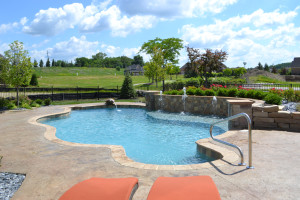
<point>86,77</point>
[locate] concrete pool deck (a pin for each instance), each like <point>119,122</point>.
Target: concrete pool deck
<point>51,168</point>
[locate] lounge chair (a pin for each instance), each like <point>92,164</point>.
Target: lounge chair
<point>164,188</point>
<point>102,188</point>
<point>181,188</point>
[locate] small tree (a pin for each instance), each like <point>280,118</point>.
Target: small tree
<point>41,63</point>
<point>35,63</point>
<point>239,71</point>
<point>48,63</point>
<point>274,70</point>
<point>17,68</point>
<point>259,66</point>
<point>34,80</point>
<point>53,63</point>
<point>266,67</point>
<point>127,90</point>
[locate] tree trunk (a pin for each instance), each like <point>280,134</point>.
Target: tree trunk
<point>18,97</point>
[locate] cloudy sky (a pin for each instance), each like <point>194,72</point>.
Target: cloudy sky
<point>252,31</point>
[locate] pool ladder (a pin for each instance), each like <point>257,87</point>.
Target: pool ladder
<point>232,145</point>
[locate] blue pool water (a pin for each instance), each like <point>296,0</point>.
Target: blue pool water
<point>147,137</point>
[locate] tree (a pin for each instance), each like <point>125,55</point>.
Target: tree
<point>259,66</point>
<point>17,67</point>
<point>35,63</point>
<point>170,50</point>
<point>48,63</point>
<point>125,61</point>
<point>206,63</point>
<point>138,60</point>
<point>176,70</point>
<point>34,80</point>
<point>53,63</point>
<point>227,72</point>
<point>127,90</point>
<point>266,67</point>
<point>283,71</point>
<point>239,71</point>
<point>41,63</point>
<point>274,70</point>
<point>153,69</point>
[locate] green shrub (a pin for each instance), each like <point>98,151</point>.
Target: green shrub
<point>232,92</point>
<point>289,94</point>
<point>222,92</point>
<point>259,94</point>
<point>25,105</point>
<point>47,102</point>
<point>127,90</point>
<point>3,103</point>
<point>250,94</point>
<point>273,99</point>
<point>191,91</point>
<point>199,92</point>
<point>192,82</point>
<point>34,104</point>
<point>241,93</point>
<point>209,92</point>
<point>39,101</point>
<point>34,80</point>
<point>24,99</point>
<point>11,105</point>
<point>173,92</point>
<point>297,96</point>
<point>180,92</point>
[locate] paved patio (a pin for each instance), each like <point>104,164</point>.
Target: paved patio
<point>51,168</point>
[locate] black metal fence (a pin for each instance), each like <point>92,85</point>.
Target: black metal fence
<point>267,86</point>
<point>58,94</point>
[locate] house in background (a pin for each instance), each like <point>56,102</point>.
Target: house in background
<point>134,70</point>
<point>295,66</point>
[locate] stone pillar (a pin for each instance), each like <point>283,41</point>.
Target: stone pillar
<point>236,107</point>
<point>150,99</point>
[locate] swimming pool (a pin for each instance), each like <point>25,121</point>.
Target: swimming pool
<point>147,137</point>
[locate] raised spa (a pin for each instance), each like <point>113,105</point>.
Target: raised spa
<point>147,137</point>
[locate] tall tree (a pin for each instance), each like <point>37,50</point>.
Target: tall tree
<point>259,66</point>
<point>41,63</point>
<point>53,63</point>
<point>48,63</point>
<point>138,60</point>
<point>17,67</point>
<point>170,49</point>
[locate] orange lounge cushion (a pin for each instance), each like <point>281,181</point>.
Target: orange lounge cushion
<point>181,188</point>
<point>101,188</point>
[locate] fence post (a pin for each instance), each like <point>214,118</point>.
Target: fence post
<point>52,98</point>
<point>24,91</point>
<point>98,93</point>
<point>77,93</point>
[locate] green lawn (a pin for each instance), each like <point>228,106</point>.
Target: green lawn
<point>87,77</point>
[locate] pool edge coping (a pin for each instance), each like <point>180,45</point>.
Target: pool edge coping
<point>118,152</point>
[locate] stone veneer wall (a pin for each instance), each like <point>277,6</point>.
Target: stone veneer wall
<point>193,104</point>
<point>270,117</point>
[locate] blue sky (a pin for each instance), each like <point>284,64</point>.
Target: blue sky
<point>250,31</point>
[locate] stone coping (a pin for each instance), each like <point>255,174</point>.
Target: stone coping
<point>118,152</point>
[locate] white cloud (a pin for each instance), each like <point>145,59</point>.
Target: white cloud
<point>255,37</point>
<point>111,50</point>
<point>55,20</point>
<point>3,47</point>
<point>68,50</point>
<point>10,26</point>
<point>174,8</point>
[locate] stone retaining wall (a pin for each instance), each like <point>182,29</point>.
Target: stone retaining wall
<point>262,117</point>
<point>270,117</point>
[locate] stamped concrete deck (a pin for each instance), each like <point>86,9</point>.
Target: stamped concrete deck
<point>51,167</point>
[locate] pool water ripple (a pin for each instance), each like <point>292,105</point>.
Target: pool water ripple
<point>147,137</point>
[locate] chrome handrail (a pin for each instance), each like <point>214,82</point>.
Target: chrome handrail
<point>232,145</point>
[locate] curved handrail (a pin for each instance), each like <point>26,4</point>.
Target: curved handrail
<point>232,145</point>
